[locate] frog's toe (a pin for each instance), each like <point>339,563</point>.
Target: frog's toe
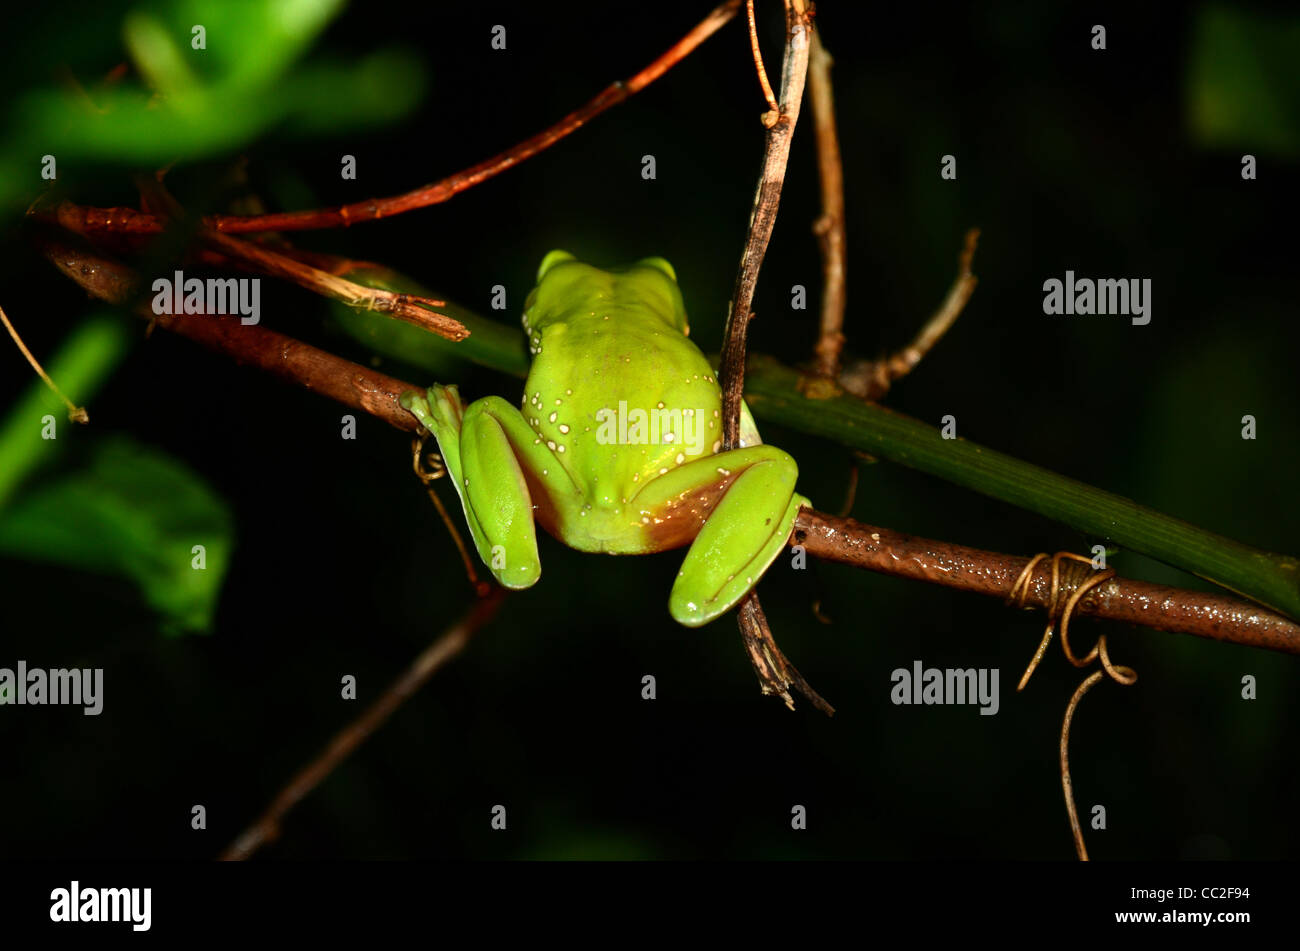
<point>414,402</point>
<point>446,405</point>
<point>691,608</point>
<point>439,408</point>
<point>519,576</point>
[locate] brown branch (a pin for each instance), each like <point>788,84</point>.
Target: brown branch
<point>450,643</point>
<point>775,673</point>
<point>773,109</point>
<point>963,286</point>
<point>292,360</point>
<point>407,307</point>
<point>85,219</point>
<point>823,536</point>
<point>829,228</point>
<point>1175,610</point>
<point>767,198</point>
<point>871,379</point>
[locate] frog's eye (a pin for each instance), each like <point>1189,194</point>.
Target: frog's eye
<point>552,259</point>
<point>659,264</point>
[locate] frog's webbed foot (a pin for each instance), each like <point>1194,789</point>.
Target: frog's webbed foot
<point>741,537</point>
<point>439,408</point>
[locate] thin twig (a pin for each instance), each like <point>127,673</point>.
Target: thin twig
<point>871,379</point>
<point>902,362</point>
<point>407,307</point>
<point>261,259</point>
<point>76,414</point>
<point>774,672</point>
<point>776,675</point>
<point>767,198</point>
<point>448,644</point>
<point>773,109</point>
<point>829,228</point>
<point>83,219</point>
<point>823,536</point>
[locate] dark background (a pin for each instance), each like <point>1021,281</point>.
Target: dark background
<point>1068,158</point>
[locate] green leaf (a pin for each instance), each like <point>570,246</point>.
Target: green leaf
<point>248,43</point>
<point>135,513</point>
<point>194,103</point>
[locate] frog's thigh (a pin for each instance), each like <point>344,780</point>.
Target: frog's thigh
<point>741,536</point>
<point>496,446</point>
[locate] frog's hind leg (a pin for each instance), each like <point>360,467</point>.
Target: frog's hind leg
<point>486,449</point>
<point>741,536</point>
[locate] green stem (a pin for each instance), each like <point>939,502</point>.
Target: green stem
<point>772,392</point>
<point>1273,580</point>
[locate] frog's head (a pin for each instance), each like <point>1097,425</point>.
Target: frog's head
<point>565,284</point>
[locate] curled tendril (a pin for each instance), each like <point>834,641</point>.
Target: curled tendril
<point>1061,603</point>
<point>436,468</point>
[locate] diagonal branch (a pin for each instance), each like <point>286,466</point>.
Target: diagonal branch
<point>84,220</point>
<point>406,307</point>
<point>450,643</point>
<point>767,198</point>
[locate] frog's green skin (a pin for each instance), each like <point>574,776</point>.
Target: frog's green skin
<point>599,338</point>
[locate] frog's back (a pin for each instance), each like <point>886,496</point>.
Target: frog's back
<point>616,386</point>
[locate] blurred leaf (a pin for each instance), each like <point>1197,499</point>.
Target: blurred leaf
<point>248,43</point>
<point>1243,86</point>
<point>132,126</point>
<point>196,103</point>
<point>134,512</point>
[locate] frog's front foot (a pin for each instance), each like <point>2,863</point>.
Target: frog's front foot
<point>439,408</point>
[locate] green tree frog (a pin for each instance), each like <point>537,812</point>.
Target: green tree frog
<point>617,444</point>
